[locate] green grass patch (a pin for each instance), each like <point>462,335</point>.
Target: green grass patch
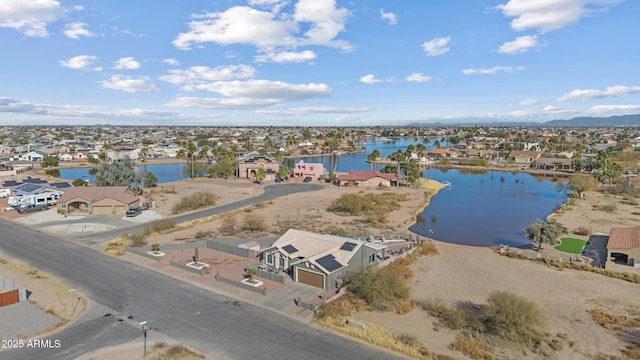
<point>571,245</point>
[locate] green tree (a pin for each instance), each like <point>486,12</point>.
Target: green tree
<point>224,167</point>
<point>412,172</point>
<point>119,173</point>
<point>544,232</point>
<point>50,161</point>
<point>150,179</point>
<point>582,183</point>
<point>79,182</point>
<point>261,174</point>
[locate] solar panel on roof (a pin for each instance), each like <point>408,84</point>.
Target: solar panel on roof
<point>349,246</point>
<point>290,249</point>
<point>329,263</point>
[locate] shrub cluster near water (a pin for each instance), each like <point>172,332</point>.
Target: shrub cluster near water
<point>373,207</point>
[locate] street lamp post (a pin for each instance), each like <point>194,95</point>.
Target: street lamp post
<point>144,334</point>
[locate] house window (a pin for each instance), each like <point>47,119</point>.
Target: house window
<point>64,206</point>
<point>270,259</point>
<point>311,168</point>
<point>282,262</point>
<point>86,206</point>
<point>372,258</point>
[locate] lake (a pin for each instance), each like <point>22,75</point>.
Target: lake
<point>487,208</point>
<point>480,209</point>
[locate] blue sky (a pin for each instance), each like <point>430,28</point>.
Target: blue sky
<point>316,62</point>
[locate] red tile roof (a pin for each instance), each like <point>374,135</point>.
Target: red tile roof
<point>95,193</point>
<point>624,238</point>
<point>363,175</point>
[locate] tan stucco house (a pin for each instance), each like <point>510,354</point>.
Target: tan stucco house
<point>368,178</point>
<point>110,200</point>
<point>248,168</point>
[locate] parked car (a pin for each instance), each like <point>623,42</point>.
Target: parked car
<point>24,209</point>
<point>133,212</point>
<point>307,179</point>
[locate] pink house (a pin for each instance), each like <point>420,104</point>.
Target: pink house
<point>313,170</point>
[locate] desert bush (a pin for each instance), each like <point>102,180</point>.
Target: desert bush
<point>254,222</point>
<point>350,204</point>
<point>194,201</point>
<point>343,306</point>
<point>159,226</point>
<point>202,234</point>
<point>608,321</point>
<point>229,225</point>
<point>510,316</point>
<point>582,230</point>
<point>608,208</point>
<point>471,348</point>
<point>138,239</point>
<point>381,288</point>
<point>449,317</point>
<point>427,248</point>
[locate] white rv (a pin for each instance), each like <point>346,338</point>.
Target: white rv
<point>48,198</point>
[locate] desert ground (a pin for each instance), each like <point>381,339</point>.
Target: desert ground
<point>458,274</point>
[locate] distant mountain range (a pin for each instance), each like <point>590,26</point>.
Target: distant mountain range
<point>611,121</point>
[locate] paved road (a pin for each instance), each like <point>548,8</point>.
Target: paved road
<point>127,293</point>
<point>270,192</point>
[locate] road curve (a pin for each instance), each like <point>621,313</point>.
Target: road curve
<point>208,322</point>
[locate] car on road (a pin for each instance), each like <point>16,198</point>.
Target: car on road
<point>133,212</point>
<point>307,179</point>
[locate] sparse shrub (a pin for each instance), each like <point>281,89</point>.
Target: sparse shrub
<point>229,224</point>
<point>608,208</point>
<point>253,223</point>
<point>202,234</point>
<point>449,317</point>
<point>582,230</point>
<point>471,348</point>
<point>137,239</point>
<point>409,340</point>
<point>382,289</point>
<point>511,316</point>
<point>194,201</point>
<point>338,232</point>
<point>159,226</point>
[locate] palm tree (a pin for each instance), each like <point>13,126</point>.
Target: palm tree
<point>251,271</point>
<point>189,149</point>
<point>544,232</point>
<point>373,157</point>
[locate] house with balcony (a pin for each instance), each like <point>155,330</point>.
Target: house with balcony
<point>249,168</point>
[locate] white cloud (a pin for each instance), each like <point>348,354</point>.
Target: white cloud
<point>278,91</point>
<point>418,77</point>
<point>589,94</point>
<point>603,109</point>
<point>521,113</point>
<point>286,57</point>
<point>389,16</point>
<point>370,79</point>
<point>548,15</point>
<point>171,61</point>
<point>128,84</point>
<point>297,111</point>
<point>126,63</point>
<point>251,93</point>
<point>202,74</point>
<point>520,45</point>
<point>528,102</point>
<point>77,30</point>
<point>437,46</point>
<point>30,17</point>
<point>269,29</point>
<point>78,62</point>
<point>492,71</point>
<point>325,22</point>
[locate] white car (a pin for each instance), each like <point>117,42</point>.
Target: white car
<point>8,208</point>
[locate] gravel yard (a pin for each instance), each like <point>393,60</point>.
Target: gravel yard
<point>24,320</point>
